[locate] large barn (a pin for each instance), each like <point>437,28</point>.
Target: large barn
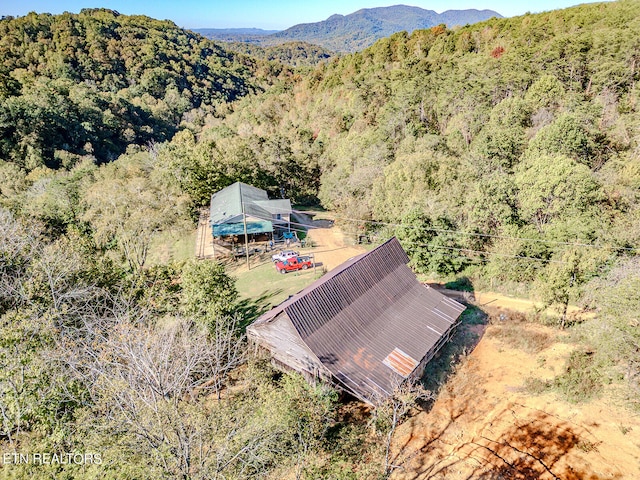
<point>366,326</point>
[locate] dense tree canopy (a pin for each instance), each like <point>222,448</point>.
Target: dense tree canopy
<point>507,151</point>
<point>94,82</point>
<point>503,126</point>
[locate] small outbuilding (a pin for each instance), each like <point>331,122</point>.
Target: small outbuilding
<point>366,326</point>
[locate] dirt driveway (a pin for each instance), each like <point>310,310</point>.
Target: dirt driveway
<point>330,246</point>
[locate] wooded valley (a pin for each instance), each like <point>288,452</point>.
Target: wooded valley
<point>503,155</point>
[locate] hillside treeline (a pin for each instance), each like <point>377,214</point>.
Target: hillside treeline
<point>504,155</point>
<point>93,83</point>
<point>295,54</point>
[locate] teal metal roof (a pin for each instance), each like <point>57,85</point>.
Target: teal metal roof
<point>227,229</point>
<point>281,206</point>
<point>226,210</point>
<point>227,203</point>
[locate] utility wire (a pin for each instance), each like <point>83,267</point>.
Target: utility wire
<point>488,253</point>
<point>505,255</point>
<point>468,250</point>
<point>487,235</point>
<point>460,232</point>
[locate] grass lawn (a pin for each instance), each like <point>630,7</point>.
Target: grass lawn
<point>263,287</point>
<point>260,288</point>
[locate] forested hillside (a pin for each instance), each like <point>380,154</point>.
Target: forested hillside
<point>512,128</point>
<point>295,54</point>
<point>353,32</point>
<point>504,154</point>
<point>95,82</point>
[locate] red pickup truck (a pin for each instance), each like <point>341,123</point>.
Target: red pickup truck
<point>294,263</point>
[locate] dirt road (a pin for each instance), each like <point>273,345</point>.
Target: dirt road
<point>330,246</point>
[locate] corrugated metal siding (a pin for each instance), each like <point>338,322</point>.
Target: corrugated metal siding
<point>333,296</point>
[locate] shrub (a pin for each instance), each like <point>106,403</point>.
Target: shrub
<point>581,380</point>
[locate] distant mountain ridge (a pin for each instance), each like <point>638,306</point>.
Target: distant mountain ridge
<point>238,31</point>
<point>358,30</point>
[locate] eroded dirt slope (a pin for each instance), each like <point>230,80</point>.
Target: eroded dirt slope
<point>484,424</point>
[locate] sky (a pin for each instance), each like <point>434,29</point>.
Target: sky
<point>265,14</point>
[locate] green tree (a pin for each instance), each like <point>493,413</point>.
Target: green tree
<point>411,181</point>
<point>567,136</point>
<point>562,281</point>
<point>129,203</point>
<point>546,92</point>
<point>433,246</point>
<point>207,290</point>
<point>554,186</point>
<point>614,332</point>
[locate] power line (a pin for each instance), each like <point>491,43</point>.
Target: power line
<point>489,253</point>
<point>522,257</point>
<point>468,250</point>
<point>488,235</point>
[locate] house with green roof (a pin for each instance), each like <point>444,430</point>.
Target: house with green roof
<point>235,203</point>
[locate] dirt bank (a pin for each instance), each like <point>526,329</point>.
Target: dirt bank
<point>484,424</point>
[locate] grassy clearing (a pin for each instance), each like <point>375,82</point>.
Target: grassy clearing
<point>515,335</point>
<point>262,287</point>
<point>582,378</point>
<point>169,247</point>
<point>581,381</point>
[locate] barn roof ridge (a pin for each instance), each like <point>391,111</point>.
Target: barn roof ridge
<point>330,275</point>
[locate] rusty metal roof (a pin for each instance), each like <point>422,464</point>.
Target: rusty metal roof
<point>400,362</point>
<point>369,321</point>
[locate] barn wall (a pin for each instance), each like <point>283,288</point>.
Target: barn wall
<point>419,370</point>
<point>280,337</point>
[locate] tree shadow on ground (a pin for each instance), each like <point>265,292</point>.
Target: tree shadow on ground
<point>461,284</point>
<point>535,446</point>
<point>250,309</point>
<point>517,442</point>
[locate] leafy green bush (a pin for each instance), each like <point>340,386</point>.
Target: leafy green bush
<point>582,379</point>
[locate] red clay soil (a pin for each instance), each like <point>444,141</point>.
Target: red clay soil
<point>484,425</point>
